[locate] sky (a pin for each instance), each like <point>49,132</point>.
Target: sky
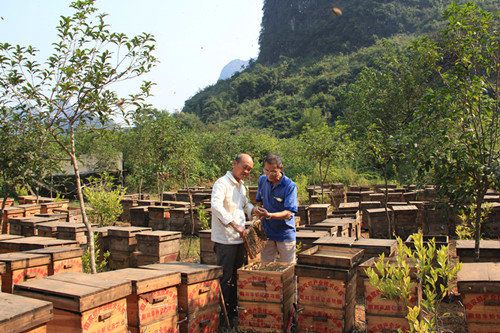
<point>195,38</point>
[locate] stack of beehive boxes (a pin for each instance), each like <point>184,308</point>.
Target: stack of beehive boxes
<point>326,284</point>
<point>158,217</point>
<point>404,219</point>
<point>198,295</point>
<point>479,287</point>
<point>122,244</point>
<point>318,212</point>
<point>207,254</point>
<point>266,293</point>
<point>382,314</point>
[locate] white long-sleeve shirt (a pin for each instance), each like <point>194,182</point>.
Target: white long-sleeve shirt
<point>229,204</point>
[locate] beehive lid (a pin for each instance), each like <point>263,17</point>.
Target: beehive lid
<point>159,208</point>
<point>404,208</point>
<point>208,232</point>
<point>51,225</point>
<point>71,227</point>
<point>20,314</point>
<point>158,236</point>
<point>60,252</point>
<point>102,231</point>
<point>4,237</point>
<point>190,272</point>
<point>333,222</point>
<point>76,292</point>
<point>126,232</point>
<point>493,244</point>
<point>310,234</point>
<point>144,280</point>
<point>57,216</point>
<point>377,245</point>
<point>33,220</point>
<point>377,210</point>
<point>34,242</point>
<point>13,209</point>
<point>330,256</point>
<point>481,277</point>
<point>29,206</point>
<point>332,240</point>
<point>319,206</point>
<point>348,205</point>
<point>19,260</point>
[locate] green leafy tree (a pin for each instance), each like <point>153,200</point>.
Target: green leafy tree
<point>27,154</point>
<point>74,85</point>
<point>463,109</point>
<point>325,145</point>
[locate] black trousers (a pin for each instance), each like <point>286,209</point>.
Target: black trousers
<point>230,257</point>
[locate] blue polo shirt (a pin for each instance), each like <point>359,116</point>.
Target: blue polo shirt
<point>277,198</point>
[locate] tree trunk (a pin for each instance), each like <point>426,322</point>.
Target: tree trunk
<point>321,181</point>
<point>479,209</point>
<point>90,233</point>
<point>4,202</point>
<point>386,193</point>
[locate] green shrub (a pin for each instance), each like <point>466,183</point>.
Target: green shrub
<point>104,199</point>
<point>101,258</point>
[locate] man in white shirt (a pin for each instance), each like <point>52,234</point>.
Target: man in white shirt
<point>230,207</point>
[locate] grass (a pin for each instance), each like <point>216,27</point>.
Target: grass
<point>190,249</point>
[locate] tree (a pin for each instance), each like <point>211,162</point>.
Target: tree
<point>325,145</point>
<point>27,155</point>
<point>463,110</point>
<point>74,86</point>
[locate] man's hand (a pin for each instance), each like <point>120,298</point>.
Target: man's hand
<point>240,230</point>
<point>262,212</point>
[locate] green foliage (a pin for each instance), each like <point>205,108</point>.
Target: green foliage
<point>101,257</point>
<point>433,271</point>
<point>203,217</point>
<point>466,228</point>
<point>104,199</point>
<point>302,183</point>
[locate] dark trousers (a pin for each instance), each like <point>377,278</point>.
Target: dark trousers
<point>230,257</point>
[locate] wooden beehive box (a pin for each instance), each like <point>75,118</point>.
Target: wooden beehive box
<point>32,243</point>
<point>405,220</point>
<point>378,223</point>
<point>9,213</point>
<point>58,216</point>
<point>479,287</point>
<point>363,206</point>
<point>266,293</point>
<point>22,266</point>
<point>27,226</point>
<point>82,302</point>
<point>102,237</point>
<point>317,212</point>
<point>169,196</point>
<point>63,259</point>
<point>2,272</point>
<point>375,303</point>
<point>20,314</point>
<point>305,238</point>
<point>48,207</point>
<point>273,282</point>
<point>207,254</point>
<point>386,324</point>
<point>489,250</point>
<point>380,197</point>
<point>127,204</point>
<point>73,231</point>
<point>73,214</point>
<point>373,247</point>
<point>123,238</point>
<point>326,298</point>
<point>198,295</point>
<point>330,256</point>
<point>348,207</point>
<point>49,229</point>
<point>9,202</point>
<point>153,301</point>
<point>139,216</point>
<point>158,217</point>
<point>30,209</point>
<point>322,319</point>
<point>157,246</point>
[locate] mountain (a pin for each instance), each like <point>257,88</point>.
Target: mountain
<point>233,67</point>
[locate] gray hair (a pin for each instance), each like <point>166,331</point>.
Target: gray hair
<point>274,160</point>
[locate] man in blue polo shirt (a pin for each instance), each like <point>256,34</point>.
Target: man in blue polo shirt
<point>278,195</point>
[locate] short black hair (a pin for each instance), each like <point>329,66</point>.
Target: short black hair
<point>238,157</point>
<point>273,160</point>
